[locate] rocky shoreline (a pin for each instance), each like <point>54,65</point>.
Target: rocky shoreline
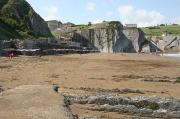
<point>139,107</point>
<point>150,106</point>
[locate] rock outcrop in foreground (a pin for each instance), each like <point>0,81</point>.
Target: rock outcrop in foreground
<point>107,37</point>
<point>152,106</point>
<point>32,102</point>
<point>19,20</point>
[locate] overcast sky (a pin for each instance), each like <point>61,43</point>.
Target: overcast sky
<point>142,12</point>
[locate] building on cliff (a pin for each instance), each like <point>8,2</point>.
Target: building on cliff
<point>130,25</point>
<point>54,25</point>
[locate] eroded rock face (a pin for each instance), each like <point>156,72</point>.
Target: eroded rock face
<point>38,25</point>
<point>169,43</point>
<point>136,37</point>
<point>116,39</point>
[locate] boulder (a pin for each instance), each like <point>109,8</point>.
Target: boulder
<point>32,102</point>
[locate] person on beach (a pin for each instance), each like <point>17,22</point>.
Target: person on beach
<point>9,55</point>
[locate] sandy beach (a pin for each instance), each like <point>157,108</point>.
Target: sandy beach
<point>91,73</point>
<point>107,71</point>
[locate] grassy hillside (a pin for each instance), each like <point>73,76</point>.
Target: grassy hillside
<point>106,24</point>
<point>159,30</point>
<point>19,20</point>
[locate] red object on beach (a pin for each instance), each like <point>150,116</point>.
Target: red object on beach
<point>9,55</point>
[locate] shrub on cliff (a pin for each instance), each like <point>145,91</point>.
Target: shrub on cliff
<point>22,19</point>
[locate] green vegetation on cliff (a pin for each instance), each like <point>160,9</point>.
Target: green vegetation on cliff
<point>7,32</point>
<point>103,25</point>
<point>19,20</point>
<point>159,30</point>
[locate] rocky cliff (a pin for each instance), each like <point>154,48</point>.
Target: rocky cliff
<point>108,37</point>
<point>169,43</point>
<point>164,44</point>
<point>19,20</point>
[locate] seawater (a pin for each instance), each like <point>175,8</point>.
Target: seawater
<point>171,55</point>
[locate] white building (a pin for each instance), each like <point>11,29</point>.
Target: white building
<point>130,25</point>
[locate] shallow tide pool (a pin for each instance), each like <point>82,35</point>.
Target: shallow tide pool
<point>171,55</point>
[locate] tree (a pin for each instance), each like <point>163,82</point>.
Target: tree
<point>89,23</point>
<point>162,25</point>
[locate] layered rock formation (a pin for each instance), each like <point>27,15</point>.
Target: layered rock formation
<point>19,20</point>
<point>152,106</point>
<point>108,37</point>
<point>165,44</point>
<point>136,36</point>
